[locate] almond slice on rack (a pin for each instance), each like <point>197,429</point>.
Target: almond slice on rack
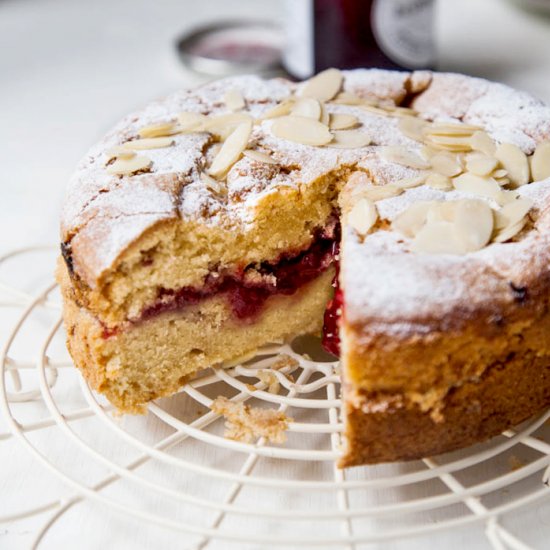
<point>437,238</point>
<point>483,187</point>
<point>148,143</point>
<point>380,192</point>
<point>339,121</point>
<point>510,231</point>
<point>308,107</point>
<point>515,162</point>
<point>412,127</point>
<point>189,121</point>
<point>480,164</point>
<point>323,86</point>
<point>301,130</point>
<point>128,166</point>
<point>512,213</point>
<point>473,224</point>
<point>540,162</point>
<point>215,186</point>
<point>401,155</point>
<point>157,130</point>
<point>363,216</point>
<point>231,150</point>
<point>446,164</point>
<point>259,156</point>
<point>439,181</point>
<point>349,139</point>
<point>410,183</point>
<point>281,109</point>
<point>412,219</point>
<point>480,141</point>
<point>119,152</point>
<point>234,99</point>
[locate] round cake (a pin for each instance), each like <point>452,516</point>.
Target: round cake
<point>404,215</point>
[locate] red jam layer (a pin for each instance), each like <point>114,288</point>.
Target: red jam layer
<point>333,313</point>
<point>247,296</point>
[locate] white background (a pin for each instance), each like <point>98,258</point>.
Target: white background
<point>69,69</point>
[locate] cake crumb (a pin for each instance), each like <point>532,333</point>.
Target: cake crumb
<point>244,423</point>
<point>270,380</point>
<point>515,463</point>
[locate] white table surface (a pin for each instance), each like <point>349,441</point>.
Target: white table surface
<point>69,69</point>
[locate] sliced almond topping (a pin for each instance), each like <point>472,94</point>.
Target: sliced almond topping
<point>473,224</point>
<point>349,139</point>
<point>148,143</point>
<point>231,150</point>
<point>374,110</point>
<point>515,162</point>
<point>223,125</point>
<point>507,197</point>
<point>128,166</point>
<point>510,231</point>
<point>363,216</point>
<point>281,109</point>
<point>442,211</point>
<point>450,143</point>
<point>480,141</point>
<point>401,155</point>
<point>409,183</point>
<point>404,111</point>
<point>234,99</point>
<point>427,152</point>
<point>446,164</point>
<point>412,127</point>
<point>411,220</point>
<point>259,156</point>
<point>437,238</point>
<point>439,181</point>
<point>308,107</point>
<point>380,192</point>
<point>451,129</point>
<point>512,213</point>
<point>215,186</point>
<point>481,165</point>
<point>483,187</point>
<point>301,130</point>
<point>119,152</point>
<point>323,86</point>
<point>500,173</point>
<point>325,115</point>
<point>157,130</point>
<point>540,162</point>
<point>189,122</point>
<point>347,98</point>
<point>342,122</point>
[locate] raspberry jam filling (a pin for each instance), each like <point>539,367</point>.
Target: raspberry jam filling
<point>333,313</point>
<point>247,295</point>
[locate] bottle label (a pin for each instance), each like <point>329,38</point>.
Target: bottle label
<point>299,54</point>
<point>403,31</point>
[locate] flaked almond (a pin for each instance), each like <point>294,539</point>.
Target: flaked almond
<point>157,130</point>
<point>234,99</point>
<point>510,231</point>
<point>119,152</point>
<point>442,211</point>
<point>410,183</point>
<point>446,164</point>
<point>456,144</point>
<point>451,129</point>
<point>338,121</point>
<point>512,213</point>
<point>148,143</point>
<point>439,181</point>
<point>362,216</point>
<point>515,162</point>
<point>325,115</point>
<point>480,141</point>
<point>347,98</point>
<point>540,162</point>
<point>404,111</point>
<point>480,164</point>
<point>281,109</point>
<point>189,121</point>
<point>223,126</point>
<point>403,156</point>
<point>349,139</point>
<point>217,187</point>
<point>380,192</point>
<point>499,173</point>
<point>128,166</point>
<point>231,150</point>
<point>437,238</point>
<point>483,187</point>
<point>301,130</point>
<point>412,219</point>
<point>427,152</point>
<point>308,107</point>
<point>374,109</point>
<point>507,197</point>
<point>412,127</point>
<point>259,156</point>
<point>473,224</point>
<point>323,86</point>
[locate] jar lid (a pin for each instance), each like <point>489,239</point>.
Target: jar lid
<point>233,47</point>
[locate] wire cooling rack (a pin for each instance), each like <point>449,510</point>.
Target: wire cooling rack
<point>180,473</point>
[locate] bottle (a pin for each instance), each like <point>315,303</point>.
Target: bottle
<point>392,34</point>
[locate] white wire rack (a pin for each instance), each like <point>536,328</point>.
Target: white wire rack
<point>193,480</point>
